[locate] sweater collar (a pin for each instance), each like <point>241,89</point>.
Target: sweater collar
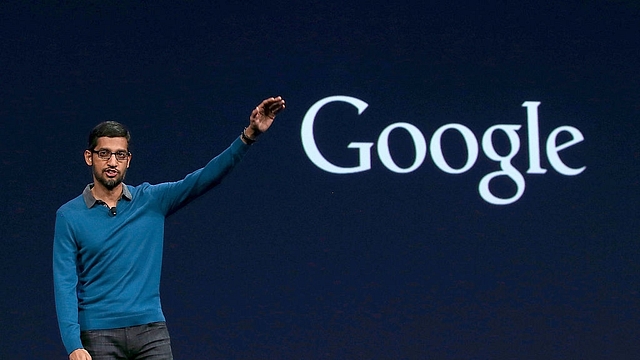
<point>90,200</point>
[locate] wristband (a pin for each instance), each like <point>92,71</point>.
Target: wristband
<point>247,139</point>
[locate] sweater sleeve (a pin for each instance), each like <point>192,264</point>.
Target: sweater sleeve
<point>65,280</point>
<point>174,195</point>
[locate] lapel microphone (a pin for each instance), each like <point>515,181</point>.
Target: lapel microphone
<point>113,211</point>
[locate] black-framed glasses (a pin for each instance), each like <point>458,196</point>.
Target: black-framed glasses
<point>106,154</point>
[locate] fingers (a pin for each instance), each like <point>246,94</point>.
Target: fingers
<point>272,101</point>
<point>277,107</point>
<point>272,106</point>
<point>263,115</point>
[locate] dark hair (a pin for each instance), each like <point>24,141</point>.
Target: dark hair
<point>108,129</point>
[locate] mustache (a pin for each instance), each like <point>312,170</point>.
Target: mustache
<point>110,168</point>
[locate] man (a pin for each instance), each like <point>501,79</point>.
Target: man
<point>107,249</point>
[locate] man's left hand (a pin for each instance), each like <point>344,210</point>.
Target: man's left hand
<point>263,115</point>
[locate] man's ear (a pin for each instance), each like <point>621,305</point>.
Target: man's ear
<point>88,157</point>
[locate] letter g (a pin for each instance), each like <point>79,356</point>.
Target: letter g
<point>309,143</point>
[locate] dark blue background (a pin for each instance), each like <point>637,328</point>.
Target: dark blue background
<point>286,261</point>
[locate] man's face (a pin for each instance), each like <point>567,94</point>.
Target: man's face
<point>109,172</point>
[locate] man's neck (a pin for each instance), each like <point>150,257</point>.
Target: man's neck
<point>109,196</point>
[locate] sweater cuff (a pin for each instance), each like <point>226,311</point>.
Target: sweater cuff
<point>240,146</point>
<point>73,345</point>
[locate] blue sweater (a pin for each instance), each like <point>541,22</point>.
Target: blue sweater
<point>106,269</point>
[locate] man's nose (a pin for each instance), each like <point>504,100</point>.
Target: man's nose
<point>112,160</point>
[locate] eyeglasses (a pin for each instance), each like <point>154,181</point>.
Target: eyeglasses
<point>106,154</point>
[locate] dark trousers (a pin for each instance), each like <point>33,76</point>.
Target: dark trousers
<point>150,341</point>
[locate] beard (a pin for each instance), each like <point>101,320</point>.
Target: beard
<point>109,183</point>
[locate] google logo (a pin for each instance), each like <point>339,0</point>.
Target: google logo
<point>473,146</point>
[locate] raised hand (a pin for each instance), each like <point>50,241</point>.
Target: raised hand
<point>263,115</point>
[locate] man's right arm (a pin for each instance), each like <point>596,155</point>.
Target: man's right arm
<point>65,281</point>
